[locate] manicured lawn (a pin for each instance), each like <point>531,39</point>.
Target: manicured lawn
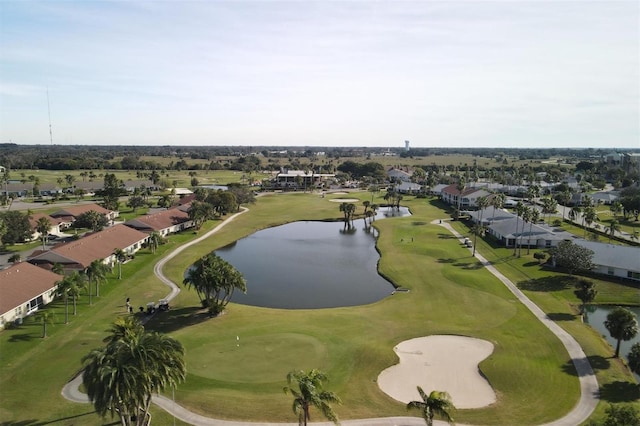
<point>450,294</point>
<point>553,292</point>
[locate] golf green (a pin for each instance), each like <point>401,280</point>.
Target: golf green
<point>265,358</point>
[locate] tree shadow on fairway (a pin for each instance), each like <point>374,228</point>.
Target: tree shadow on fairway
<point>176,319</point>
<point>619,392</point>
<point>561,316</point>
<point>556,283</point>
<point>418,223</point>
<point>22,337</point>
<point>444,236</point>
<point>447,260</point>
<point>469,265</point>
<point>60,420</point>
<point>597,363</point>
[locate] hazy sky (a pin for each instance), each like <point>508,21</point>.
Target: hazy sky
<point>326,73</point>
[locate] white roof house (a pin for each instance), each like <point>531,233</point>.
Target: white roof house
<point>614,260</point>
<point>507,229</point>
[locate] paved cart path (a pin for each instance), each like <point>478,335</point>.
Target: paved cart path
<point>588,383</point>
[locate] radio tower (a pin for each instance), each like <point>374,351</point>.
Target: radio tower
<point>49,111</point>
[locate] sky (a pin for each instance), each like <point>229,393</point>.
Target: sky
<point>500,73</point>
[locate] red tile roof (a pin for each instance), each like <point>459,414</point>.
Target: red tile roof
<point>159,221</point>
<point>33,220</point>
<point>22,282</point>
<point>76,211</point>
<point>98,245</point>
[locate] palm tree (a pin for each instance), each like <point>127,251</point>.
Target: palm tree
<point>534,217</point>
<point>57,268</point>
<point>74,288</point>
<point>307,390</point>
<point>574,213</point>
<point>47,317</point>
<point>43,225</point>
<point>121,377</point>
<point>96,272</point>
<point>519,210</point>
<point>622,325</point>
<point>563,198</point>
<point>120,256</point>
<point>613,227</point>
<point>586,292</point>
<point>435,404</point>
<point>589,216</point>
<point>526,218</point>
<point>15,258</point>
<point>482,203</point>
<point>497,202</point>
<point>154,241</point>
<point>215,281</point>
<point>460,186</point>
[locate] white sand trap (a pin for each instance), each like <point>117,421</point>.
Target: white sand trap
<point>443,363</point>
<point>344,200</point>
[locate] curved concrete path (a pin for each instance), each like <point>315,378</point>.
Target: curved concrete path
<point>589,390</point>
<point>582,411</point>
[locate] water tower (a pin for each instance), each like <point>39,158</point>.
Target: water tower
<point>406,145</point>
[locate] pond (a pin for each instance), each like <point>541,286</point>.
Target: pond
<point>310,265</point>
<point>597,315</point>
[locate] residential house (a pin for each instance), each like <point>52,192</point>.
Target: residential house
<point>508,228</point>
<point>26,189</point>
<point>77,255</point>
<point>469,196</point>
<point>399,175</point>
<point>23,289</point>
<point>614,260</point>
<point>292,178</point>
<point>68,215</point>
<point>54,229</point>
<point>408,188</point>
<point>164,222</point>
<point>437,190</point>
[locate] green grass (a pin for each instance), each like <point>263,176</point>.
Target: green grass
<point>450,294</point>
<point>553,292</point>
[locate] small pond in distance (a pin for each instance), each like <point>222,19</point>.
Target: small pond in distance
<point>310,265</point>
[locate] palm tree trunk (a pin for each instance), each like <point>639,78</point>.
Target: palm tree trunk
<point>74,306</point>
<point>66,310</point>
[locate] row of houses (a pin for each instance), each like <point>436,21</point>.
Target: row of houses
<point>608,259</point>
<point>28,285</point>
<point>19,189</point>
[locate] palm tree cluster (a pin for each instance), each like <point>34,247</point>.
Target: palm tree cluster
<point>348,210</point>
<point>307,390</point>
<point>215,281</point>
<point>121,377</point>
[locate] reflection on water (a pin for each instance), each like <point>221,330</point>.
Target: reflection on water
<point>310,265</point>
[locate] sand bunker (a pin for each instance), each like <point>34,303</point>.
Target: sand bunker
<point>344,200</point>
<point>443,363</point>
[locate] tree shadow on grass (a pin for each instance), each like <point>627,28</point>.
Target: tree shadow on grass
<point>449,260</point>
<point>597,363</point>
<point>418,223</point>
<point>620,392</point>
<point>556,283</point>
<point>176,319</point>
<point>469,265</point>
<point>444,236</point>
<point>530,264</point>
<point>60,420</point>
<point>22,337</point>
<point>561,316</point>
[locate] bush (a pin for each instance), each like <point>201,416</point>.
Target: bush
<point>540,256</point>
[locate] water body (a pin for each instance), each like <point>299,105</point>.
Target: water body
<point>597,315</point>
<point>310,265</point>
